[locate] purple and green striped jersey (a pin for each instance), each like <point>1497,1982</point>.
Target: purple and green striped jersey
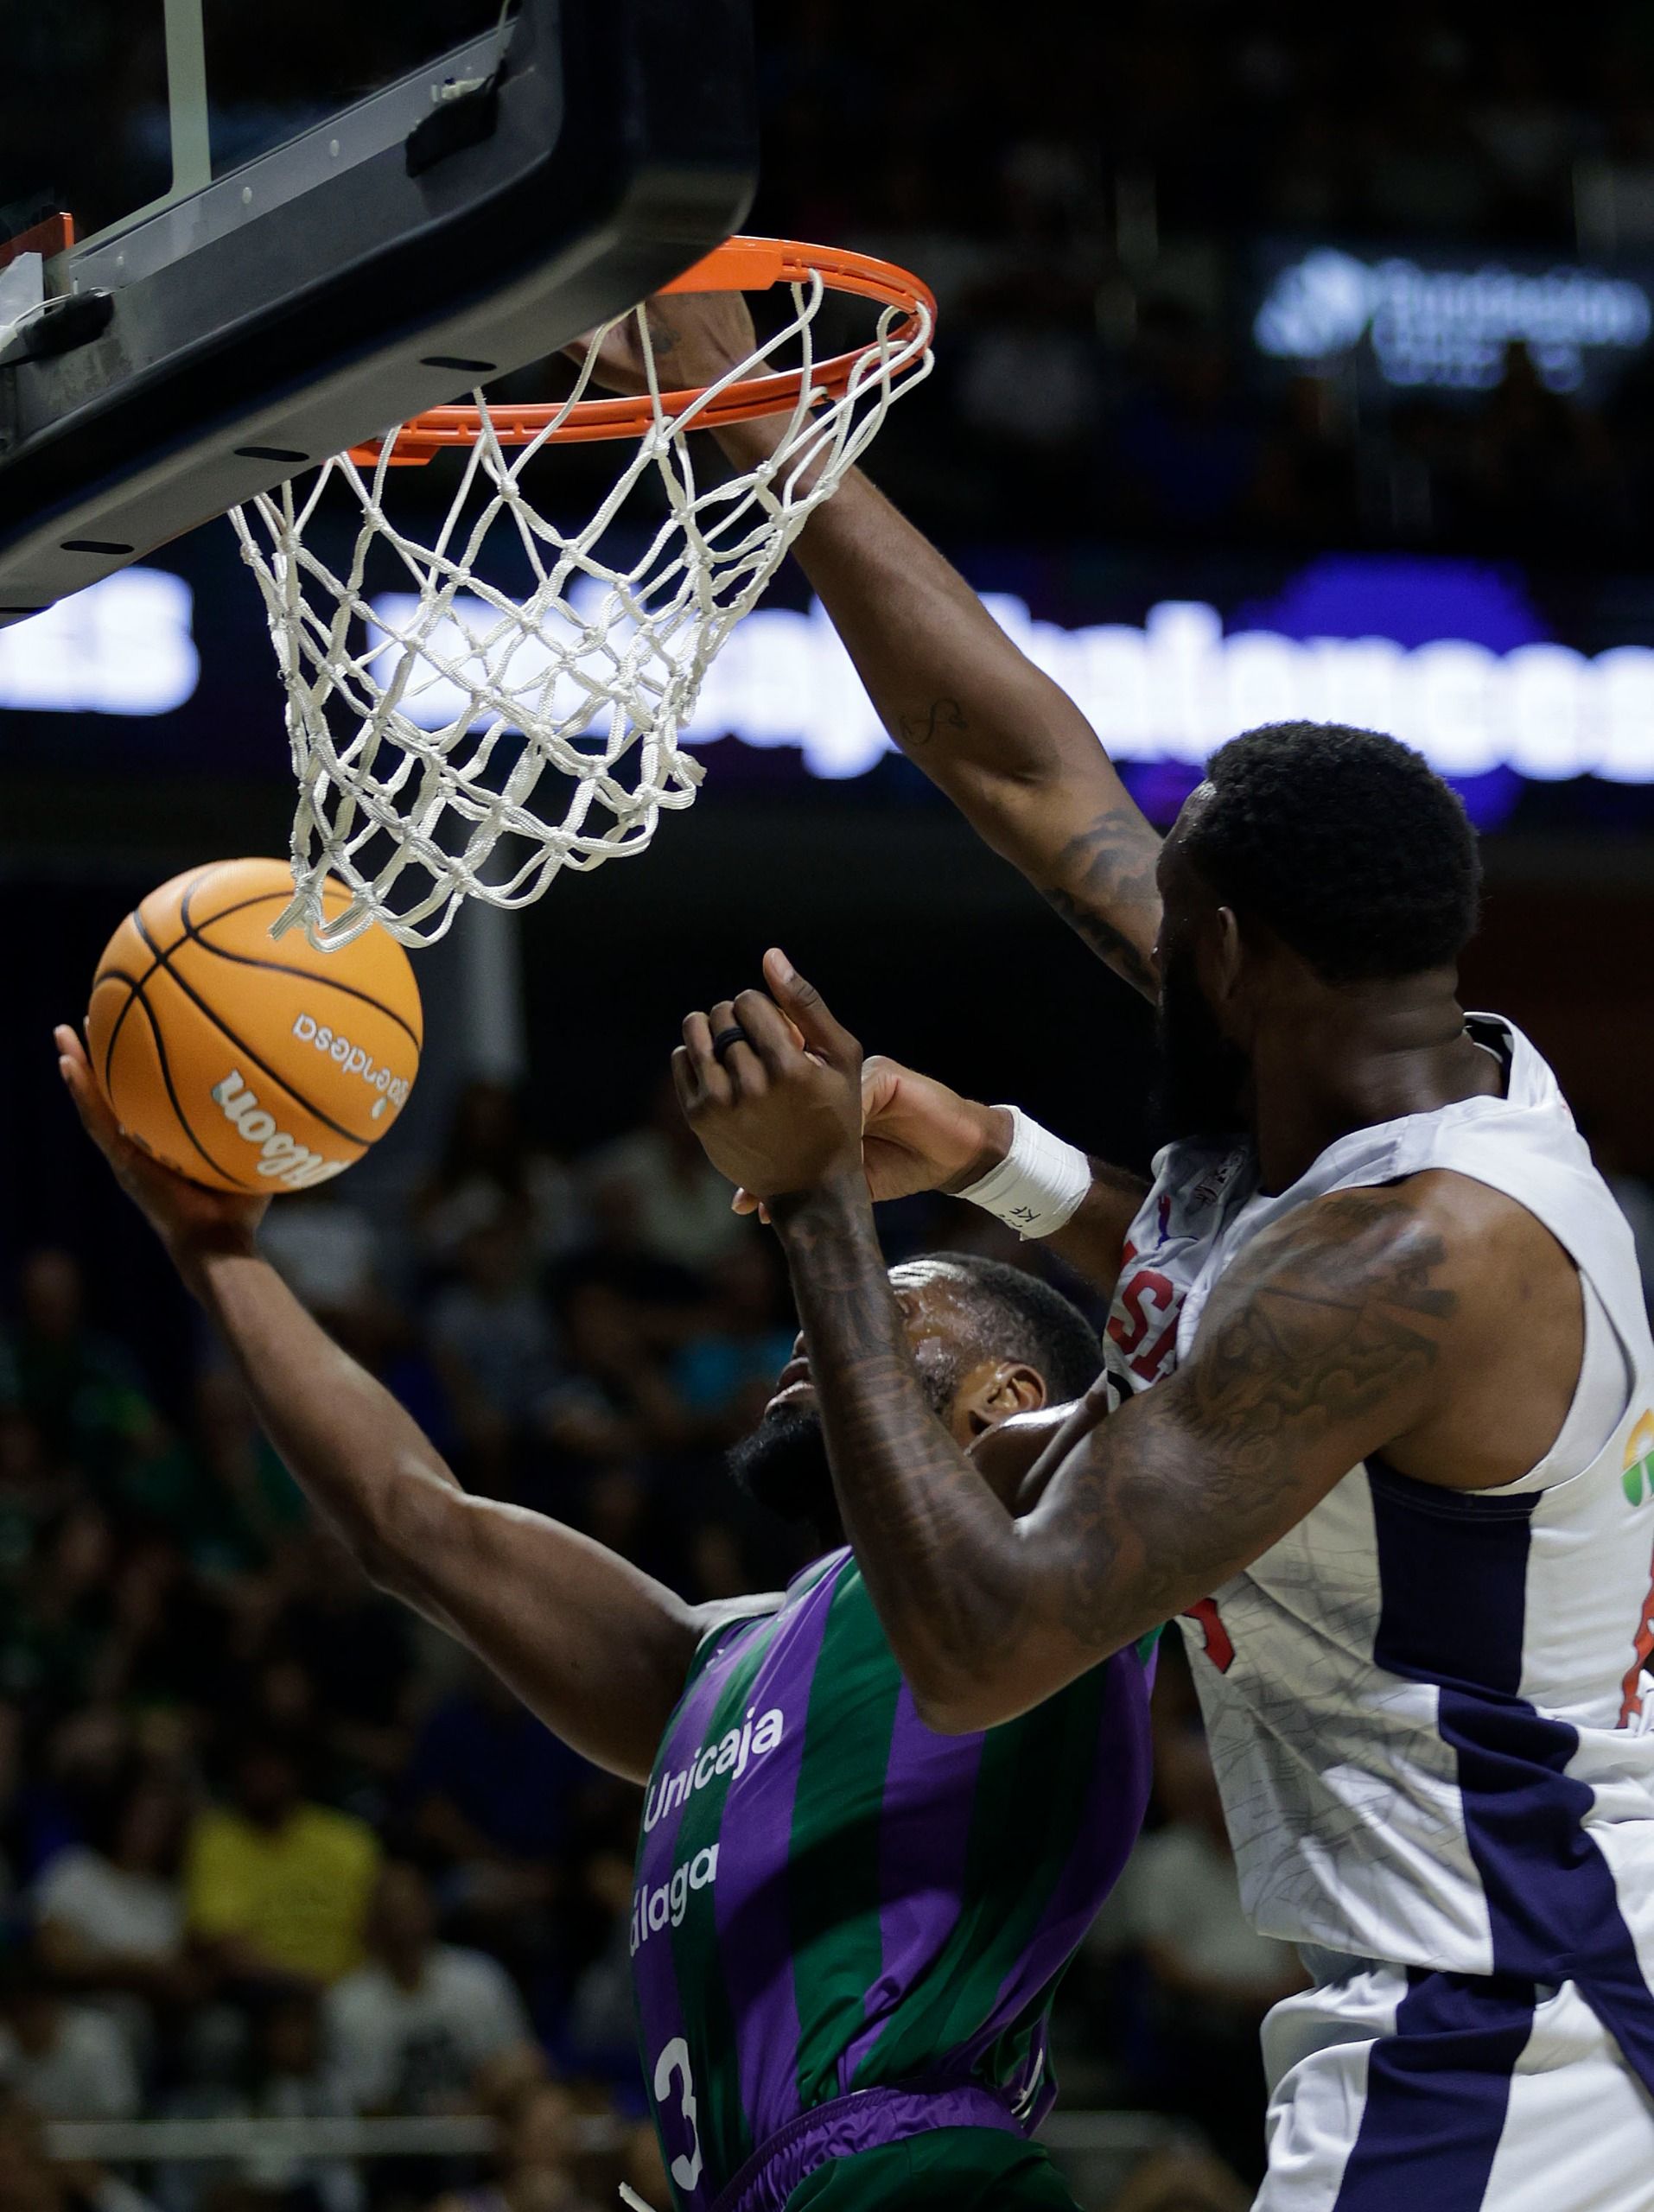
<point>831,1898</point>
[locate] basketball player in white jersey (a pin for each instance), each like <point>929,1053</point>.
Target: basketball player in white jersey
<point>1383,1404</point>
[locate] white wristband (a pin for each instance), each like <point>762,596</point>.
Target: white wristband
<point>1039,1184</point>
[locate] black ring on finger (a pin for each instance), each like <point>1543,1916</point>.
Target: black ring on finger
<point>727,1038</point>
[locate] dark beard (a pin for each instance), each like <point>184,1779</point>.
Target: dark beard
<point>1202,1076</point>
<point>783,1466</point>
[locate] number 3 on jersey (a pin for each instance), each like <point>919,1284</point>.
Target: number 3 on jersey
<point>673,2065</point>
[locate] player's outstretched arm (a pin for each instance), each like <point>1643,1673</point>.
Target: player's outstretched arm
<point>1007,744</point>
<point>1323,1345</point>
<point>917,1134</point>
<point>597,1648</point>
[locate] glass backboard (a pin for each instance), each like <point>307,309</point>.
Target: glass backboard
<point>288,229</point>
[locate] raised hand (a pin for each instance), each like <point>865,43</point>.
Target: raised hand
<point>695,337</point>
<point>778,1110</point>
<point>917,1134</point>
<point>188,1218</point>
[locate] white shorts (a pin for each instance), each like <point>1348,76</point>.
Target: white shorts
<point>1451,2092</point>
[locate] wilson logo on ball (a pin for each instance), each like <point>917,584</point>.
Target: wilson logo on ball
<point>282,1158</point>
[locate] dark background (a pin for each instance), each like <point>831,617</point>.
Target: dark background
<point>1100,197</point>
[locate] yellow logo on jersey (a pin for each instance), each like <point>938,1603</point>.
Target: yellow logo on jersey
<point>1638,1477</point>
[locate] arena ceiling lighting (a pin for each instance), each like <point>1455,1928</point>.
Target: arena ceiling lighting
<point>1166,689</point>
<point>1174,688</point>
<point>123,647</point>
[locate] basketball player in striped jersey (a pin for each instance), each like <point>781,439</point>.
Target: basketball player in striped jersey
<point>847,1929</point>
<point>1384,1385</point>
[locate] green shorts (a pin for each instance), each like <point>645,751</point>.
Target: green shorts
<point>952,2170</point>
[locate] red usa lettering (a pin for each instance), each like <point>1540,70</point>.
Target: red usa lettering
<point>1143,1325</point>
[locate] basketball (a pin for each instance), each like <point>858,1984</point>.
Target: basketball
<point>245,1062</point>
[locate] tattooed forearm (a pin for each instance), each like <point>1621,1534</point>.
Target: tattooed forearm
<point>1102,885</point>
<point>1320,1346</point>
<point>914,1503</point>
<point>1120,952</point>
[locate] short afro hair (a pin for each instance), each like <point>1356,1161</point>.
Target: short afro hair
<point>1019,1317</point>
<point>1346,842</point>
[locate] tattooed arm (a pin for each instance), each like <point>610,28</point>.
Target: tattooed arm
<point>1011,750</point>
<point>1332,1338</point>
<point>1320,1346</point>
<point>1007,745</point>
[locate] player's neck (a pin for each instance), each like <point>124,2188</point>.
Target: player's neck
<point>1357,1056</point>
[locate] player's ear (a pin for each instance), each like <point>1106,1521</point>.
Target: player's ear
<point>1227,953</point>
<point>997,1391</point>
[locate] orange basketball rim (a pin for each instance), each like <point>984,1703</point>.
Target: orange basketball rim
<point>739,264</point>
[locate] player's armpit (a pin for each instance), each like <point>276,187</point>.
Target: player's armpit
<point>1329,1339</point>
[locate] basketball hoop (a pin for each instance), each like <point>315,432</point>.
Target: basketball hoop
<point>425,722</point>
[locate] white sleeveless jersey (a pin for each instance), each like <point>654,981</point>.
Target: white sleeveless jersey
<point>1429,1710</point>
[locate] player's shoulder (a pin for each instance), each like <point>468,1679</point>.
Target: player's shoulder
<point>1439,1243</point>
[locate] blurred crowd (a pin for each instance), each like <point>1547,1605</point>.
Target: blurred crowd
<point>269,1847</point>
<point>1087,196</point>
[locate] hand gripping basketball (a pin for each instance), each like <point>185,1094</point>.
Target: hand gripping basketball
<point>779,1110</point>
<point>188,1218</point>
<point>244,1061</point>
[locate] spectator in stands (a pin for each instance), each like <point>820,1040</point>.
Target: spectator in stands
<point>291,2080</point>
<point>414,2029</point>
<point>109,1912</point>
<point>54,1643</point>
<point>724,1374</point>
<point>268,2068</point>
<point>494,1345</point>
<point>68,2062</point>
<point>31,2180</point>
<point>490,1165</point>
<point>278,1889</point>
<point>326,1249</point>
<point>493,1795</point>
<point>336,1632</point>
<point>169,1629</point>
<point>81,1387</point>
<point>654,1194</point>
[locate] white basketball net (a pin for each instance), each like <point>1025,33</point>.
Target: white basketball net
<point>430,724</point>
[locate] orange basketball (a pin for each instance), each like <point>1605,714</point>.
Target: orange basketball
<point>246,1062</point>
